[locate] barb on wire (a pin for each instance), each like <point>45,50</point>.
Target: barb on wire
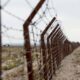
<point>11,28</point>
<point>51,8</point>
<point>40,16</point>
<point>54,8</point>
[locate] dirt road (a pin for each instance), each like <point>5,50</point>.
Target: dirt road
<point>70,67</point>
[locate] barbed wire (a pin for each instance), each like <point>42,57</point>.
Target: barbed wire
<point>33,23</point>
<point>11,14</point>
<point>54,8</point>
<point>21,18</point>
<point>15,29</point>
<point>35,33</point>
<point>11,28</point>
<point>6,3</point>
<point>40,16</point>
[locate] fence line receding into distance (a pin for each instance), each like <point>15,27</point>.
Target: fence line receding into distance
<point>45,47</point>
<point>45,43</point>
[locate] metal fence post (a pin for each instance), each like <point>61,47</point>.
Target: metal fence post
<point>50,50</point>
<point>27,39</point>
<point>43,46</point>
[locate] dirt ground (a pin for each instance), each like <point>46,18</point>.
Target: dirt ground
<point>70,67</point>
<point>13,63</point>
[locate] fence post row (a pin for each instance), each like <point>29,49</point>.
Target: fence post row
<point>56,48</point>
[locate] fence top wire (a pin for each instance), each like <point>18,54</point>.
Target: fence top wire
<point>41,19</point>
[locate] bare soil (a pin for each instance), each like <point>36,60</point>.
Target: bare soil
<point>14,65</point>
<point>70,67</point>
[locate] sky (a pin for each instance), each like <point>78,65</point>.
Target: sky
<point>68,13</point>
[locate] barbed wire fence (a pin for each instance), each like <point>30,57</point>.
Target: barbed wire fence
<point>9,46</point>
<point>49,49</point>
<point>6,28</point>
<point>45,43</point>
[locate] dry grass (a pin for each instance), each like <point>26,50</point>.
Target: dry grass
<point>13,63</point>
<point>70,67</point>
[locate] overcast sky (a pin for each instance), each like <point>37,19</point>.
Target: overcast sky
<point>67,10</point>
<point>69,13</point>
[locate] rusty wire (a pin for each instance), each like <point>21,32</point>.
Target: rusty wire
<point>48,54</point>
<point>47,46</point>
